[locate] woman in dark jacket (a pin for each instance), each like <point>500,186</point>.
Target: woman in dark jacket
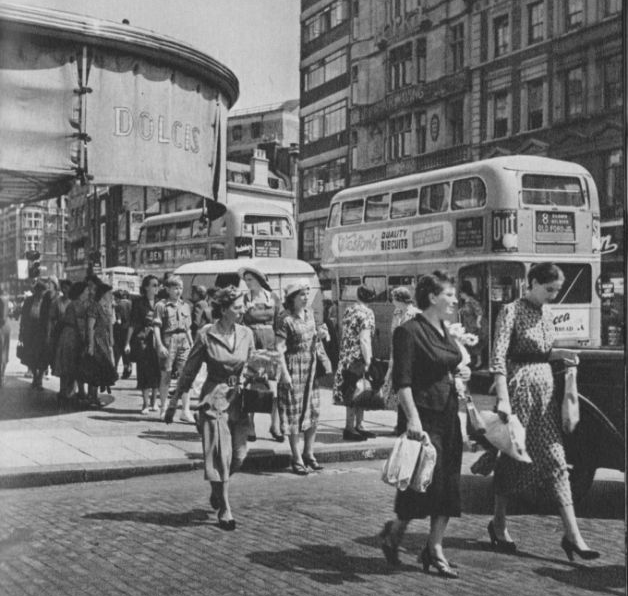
<point>33,333</point>
<point>425,359</point>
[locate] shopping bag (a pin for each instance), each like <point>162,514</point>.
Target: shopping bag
<point>401,463</point>
<point>424,470</point>
<point>509,437</point>
<point>475,422</point>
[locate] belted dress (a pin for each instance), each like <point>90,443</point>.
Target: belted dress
<point>223,424</point>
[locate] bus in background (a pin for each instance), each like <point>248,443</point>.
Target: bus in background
<point>122,278</point>
<point>485,222</point>
<point>246,230</point>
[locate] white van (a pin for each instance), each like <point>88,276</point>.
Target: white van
<point>281,272</point>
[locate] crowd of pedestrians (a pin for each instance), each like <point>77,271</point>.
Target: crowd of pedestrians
<point>82,330</point>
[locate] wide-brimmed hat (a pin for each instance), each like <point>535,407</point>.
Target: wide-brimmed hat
<point>257,274</point>
<point>297,286</point>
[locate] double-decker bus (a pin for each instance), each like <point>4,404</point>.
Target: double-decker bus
<point>485,222</point>
<point>246,230</point>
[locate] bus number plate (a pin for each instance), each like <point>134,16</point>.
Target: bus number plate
<point>268,248</point>
<point>554,226</point>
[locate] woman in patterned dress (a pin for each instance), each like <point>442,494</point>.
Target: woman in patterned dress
<point>358,327</point>
<point>524,335</point>
<point>298,340</point>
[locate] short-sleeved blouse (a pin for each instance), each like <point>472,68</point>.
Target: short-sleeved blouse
<point>356,319</point>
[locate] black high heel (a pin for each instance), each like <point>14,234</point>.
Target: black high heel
<point>443,568</point>
<point>570,548</point>
<point>391,552</point>
<point>504,546</point>
<point>277,436</point>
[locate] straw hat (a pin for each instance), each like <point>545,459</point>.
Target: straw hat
<point>257,274</point>
<point>297,286</point>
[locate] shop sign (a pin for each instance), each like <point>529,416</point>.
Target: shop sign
<point>604,289</point>
<point>268,248</point>
<point>612,240</point>
<point>419,238</point>
<point>470,232</point>
<point>555,226</point>
<point>570,322</point>
<point>154,256</point>
<point>504,231</point>
<point>150,126</point>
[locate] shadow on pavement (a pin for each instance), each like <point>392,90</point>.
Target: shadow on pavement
<point>606,579</point>
<point>324,564</point>
<point>195,517</point>
<point>170,435</point>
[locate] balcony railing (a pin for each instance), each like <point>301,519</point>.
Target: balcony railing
<point>412,96</point>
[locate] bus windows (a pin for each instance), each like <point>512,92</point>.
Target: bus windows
<point>169,232</point>
<point>349,288</point>
<point>183,230</point>
<point>153,234</point>
<point>352,212</point>
<point>378,283</point>
<point>376,208</point>
<point>400,281</point>
<point>562,191</point>
<point>334,216</point>
<point>263,225</point>
<point>468,193</point>
<point>404,204</point>
<point>434,198</point>
<point>577,286</point>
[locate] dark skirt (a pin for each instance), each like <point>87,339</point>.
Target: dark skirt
<point>147,364</point>
<point>443,495</point>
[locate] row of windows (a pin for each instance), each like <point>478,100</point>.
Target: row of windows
<point>574,97</point>
<point>328,68</point>
<point>325,177</point>
<point>256,131</point>
<point>320,23</point>
<point>324,123</point>
<point>466,193</point>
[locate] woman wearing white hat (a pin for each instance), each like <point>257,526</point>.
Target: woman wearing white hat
<point>261,309</point>
<point>298,340</point>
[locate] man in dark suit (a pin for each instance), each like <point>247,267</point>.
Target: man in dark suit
<point>122,309</point>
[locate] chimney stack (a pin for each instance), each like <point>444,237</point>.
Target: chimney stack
<point>259,168</point>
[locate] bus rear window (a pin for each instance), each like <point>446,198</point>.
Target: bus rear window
<point>562,191</point>
<point>404,203</point>
<point>266,225</point>
<point>349,288</point>
<point>434,198</point>
<point>378,283</point>
<point>468,193</point>
<point>334,216</point>
<point>352,212</point>
<point>376,208</point>
<point>577,288</point>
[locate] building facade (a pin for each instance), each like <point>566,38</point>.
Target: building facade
<point>36,227</point>
<point>390,87</point>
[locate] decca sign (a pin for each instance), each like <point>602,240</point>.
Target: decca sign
<point>570,322</point>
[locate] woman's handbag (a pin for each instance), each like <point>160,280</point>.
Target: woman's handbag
<point>570,411</point>
<point>257,396</point>
<point>425,465</point>
<point>369,390</point>
<point>401,463</point>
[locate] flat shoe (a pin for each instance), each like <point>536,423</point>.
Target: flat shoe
<point>300,469</point>
<point>227,524</point>
<point>350,435</point>
<point>277,436</point>
<point>251,438</point>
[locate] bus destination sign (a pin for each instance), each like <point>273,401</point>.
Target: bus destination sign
<point>555,226</point>
<point>470,232</point>
<point>268,248</point>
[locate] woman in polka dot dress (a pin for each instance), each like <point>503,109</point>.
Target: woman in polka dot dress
<point>524,335</point>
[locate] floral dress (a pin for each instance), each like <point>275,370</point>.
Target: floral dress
<point>299,407</point>
<point>524,335</point>
<point>356,318</point>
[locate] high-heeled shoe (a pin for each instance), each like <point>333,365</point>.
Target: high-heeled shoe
<point>570,548</point>
<point>227,524</point>
<point>391,551</point>
<point>504,546</point>
<point>443,568</point>
<point>277,436</point>
<point>312,464</point>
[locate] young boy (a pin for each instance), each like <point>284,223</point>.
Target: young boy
<point>173,337</point>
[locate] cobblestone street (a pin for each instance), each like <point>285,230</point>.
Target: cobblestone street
<point>314,535</point>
